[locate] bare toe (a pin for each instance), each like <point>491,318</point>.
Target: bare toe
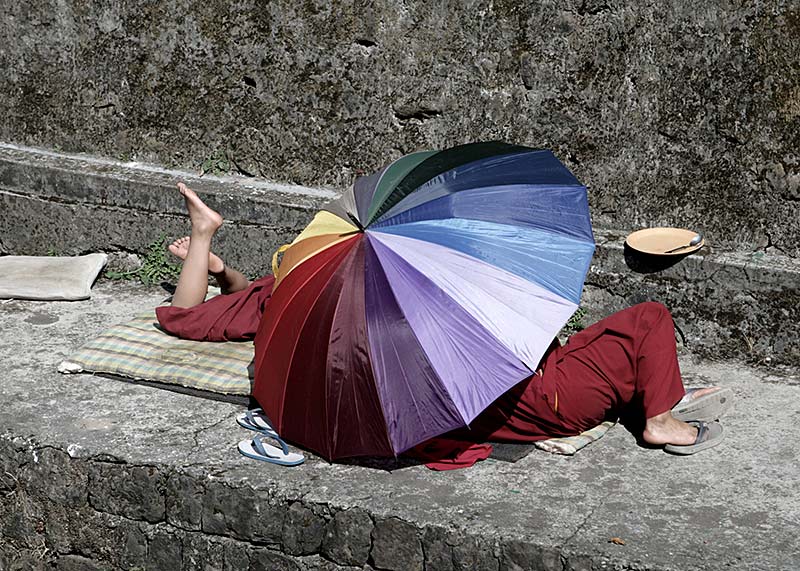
<point>180,247</point>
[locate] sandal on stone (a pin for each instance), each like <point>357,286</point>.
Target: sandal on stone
<point>255,419</point>
<point>258,449</point>
<point>709,434</point>
<point>707,407</point>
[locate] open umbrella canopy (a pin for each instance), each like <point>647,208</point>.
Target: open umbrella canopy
<point>413,301</point>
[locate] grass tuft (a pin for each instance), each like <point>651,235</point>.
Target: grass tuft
<point>156,266</point>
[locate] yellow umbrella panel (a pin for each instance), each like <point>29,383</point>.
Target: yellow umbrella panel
<point>325,230</point>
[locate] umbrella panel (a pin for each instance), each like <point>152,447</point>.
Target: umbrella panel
<point>472,366</point>
<point>288,310</point>
<point>304,250</point>
<point>557,263</point>
<point>530,168</point>
<point>434,165</point>
<point>415,403</point>
<point>331,403</point>
<point>519,313</point>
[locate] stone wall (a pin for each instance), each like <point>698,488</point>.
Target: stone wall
<point>101,514</point>
<point>673,113</point>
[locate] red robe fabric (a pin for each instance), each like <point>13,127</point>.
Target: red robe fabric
<point>230,317</point>
<point>625,363</point>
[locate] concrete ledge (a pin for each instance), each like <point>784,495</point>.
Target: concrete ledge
<point>726,304</point>
<point>72,204</point>
<point>100,474</point>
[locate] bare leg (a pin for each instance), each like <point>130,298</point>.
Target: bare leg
<point>664,429</point>
<point>193,281</point>
<point>228,279</point>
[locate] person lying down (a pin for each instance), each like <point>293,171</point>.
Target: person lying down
<point>624,365</point>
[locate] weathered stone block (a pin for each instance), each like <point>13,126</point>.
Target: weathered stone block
<point>22,519</point>
<point>101,536</point>
<point>523,556</point>
<point>131,491</point>
<point>438,553</point>
<point>242,513</point>
<point>303,530</point>
<point>184,501</point>
<point>55,476</point>
<point>16,561</point>
<point>396,546</point>
<point>348,537</point>
<point>10,459</point>
<point>164,551</point>
<point>266,560</point>
<point>59,528</point>
<point>202,552</point>
<point>78,563</point>
<point>236,556</point>
<point>134,547</point>
<point>473,553</point>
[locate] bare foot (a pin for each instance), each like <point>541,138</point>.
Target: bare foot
<point>204,220</point>
<point>664,429</point>
<point>180,248</point>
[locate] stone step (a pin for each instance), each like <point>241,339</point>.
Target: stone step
<point>97,473</point>
<point>726,304</point>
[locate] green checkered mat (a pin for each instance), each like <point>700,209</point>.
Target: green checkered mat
<point>139,350</point>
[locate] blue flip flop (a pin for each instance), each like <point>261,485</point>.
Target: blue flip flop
<point>255,419</point>
<point>257,449</point>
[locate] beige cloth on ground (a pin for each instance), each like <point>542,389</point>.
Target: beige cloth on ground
<point>49,277</point>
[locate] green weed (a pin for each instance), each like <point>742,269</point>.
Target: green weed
<point>155,267</point>
<point>575,322</point>
<point>216,164</point>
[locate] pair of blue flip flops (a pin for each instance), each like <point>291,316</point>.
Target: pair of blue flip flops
<point>258,448</point>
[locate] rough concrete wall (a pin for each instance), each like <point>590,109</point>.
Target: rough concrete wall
<point>676,113</point>
<point>51,203</point>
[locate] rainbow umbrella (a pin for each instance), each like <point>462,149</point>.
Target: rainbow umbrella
<point>421,295</point>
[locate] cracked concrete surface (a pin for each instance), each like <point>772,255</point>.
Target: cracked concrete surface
<point>736,506</point>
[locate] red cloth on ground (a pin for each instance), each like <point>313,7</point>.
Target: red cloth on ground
<point>230,317</point>
<point>447,454</point>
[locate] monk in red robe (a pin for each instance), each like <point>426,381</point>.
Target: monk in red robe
<point>624,364</point>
